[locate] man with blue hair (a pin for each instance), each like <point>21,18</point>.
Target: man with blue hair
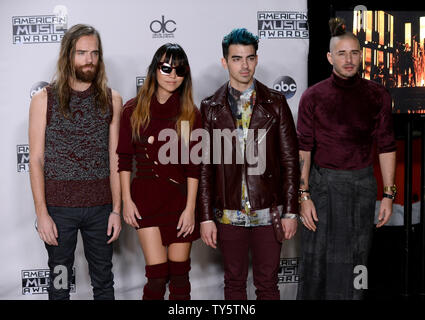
<point>244,209</point>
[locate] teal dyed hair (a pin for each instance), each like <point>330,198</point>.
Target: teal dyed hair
<point>239,36</point>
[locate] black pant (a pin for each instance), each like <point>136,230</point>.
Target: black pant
<point>345,206</point>
<point>93,224</point>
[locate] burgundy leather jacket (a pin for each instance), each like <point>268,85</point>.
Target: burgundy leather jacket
<point>220,184</point>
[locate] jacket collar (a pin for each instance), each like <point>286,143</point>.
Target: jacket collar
<point>263,94</point>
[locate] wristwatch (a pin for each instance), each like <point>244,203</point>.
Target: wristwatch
<point>392,189</point>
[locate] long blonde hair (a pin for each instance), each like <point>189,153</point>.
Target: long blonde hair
<point>66,69</point>
<point>141,115</point>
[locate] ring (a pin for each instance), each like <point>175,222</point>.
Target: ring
<point>302,219</point>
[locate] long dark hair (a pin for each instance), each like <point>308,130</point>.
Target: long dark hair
<point>141,115</point>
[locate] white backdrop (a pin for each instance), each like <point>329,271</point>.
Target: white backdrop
<point>129,44</point>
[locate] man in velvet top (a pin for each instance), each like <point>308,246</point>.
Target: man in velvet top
<point>341,121</point>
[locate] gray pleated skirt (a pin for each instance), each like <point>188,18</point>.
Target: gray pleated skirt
<point>345,206</point>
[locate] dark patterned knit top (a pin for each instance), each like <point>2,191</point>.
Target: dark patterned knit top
<point>76,158</point>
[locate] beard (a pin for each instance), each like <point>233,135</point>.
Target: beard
<point>86,76</point>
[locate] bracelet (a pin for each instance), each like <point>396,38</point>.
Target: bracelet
<point>289,216</point>
<point>300,191</point>
<point>113,212</point>
<point>392,188</point>
<point>301,199</point>
<point>389,196</point>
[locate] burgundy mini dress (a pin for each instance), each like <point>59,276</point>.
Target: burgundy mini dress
<point>158,190</point>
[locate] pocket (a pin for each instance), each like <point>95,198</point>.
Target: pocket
<point>367,187</point>
<point>314,178</point>
<point>58,212</point>
<point>182,187</point>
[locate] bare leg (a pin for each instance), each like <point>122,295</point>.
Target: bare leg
<point>179,252</point>
<point>151,243</point>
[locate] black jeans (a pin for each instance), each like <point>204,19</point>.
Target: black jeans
<point>93,224</point>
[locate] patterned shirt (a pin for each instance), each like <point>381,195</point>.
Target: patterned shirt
<point>76,155</point>
<point>241,104</point>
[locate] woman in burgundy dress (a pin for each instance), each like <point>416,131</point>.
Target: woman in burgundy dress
<point>160,200</point>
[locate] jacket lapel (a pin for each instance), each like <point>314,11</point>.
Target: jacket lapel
<point>262,112</point>
<point>222,115</point>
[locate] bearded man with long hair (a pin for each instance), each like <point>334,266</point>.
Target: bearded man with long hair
<point>73,134</point>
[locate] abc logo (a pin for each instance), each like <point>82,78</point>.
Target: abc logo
<point>163,26</point>
<point>37,87</point>
<point>286,85</point>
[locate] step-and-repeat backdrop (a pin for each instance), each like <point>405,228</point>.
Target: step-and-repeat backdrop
<point>131,31</point>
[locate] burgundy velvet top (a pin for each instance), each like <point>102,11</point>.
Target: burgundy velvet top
<point>158,190</point>
<point>342,119</point>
